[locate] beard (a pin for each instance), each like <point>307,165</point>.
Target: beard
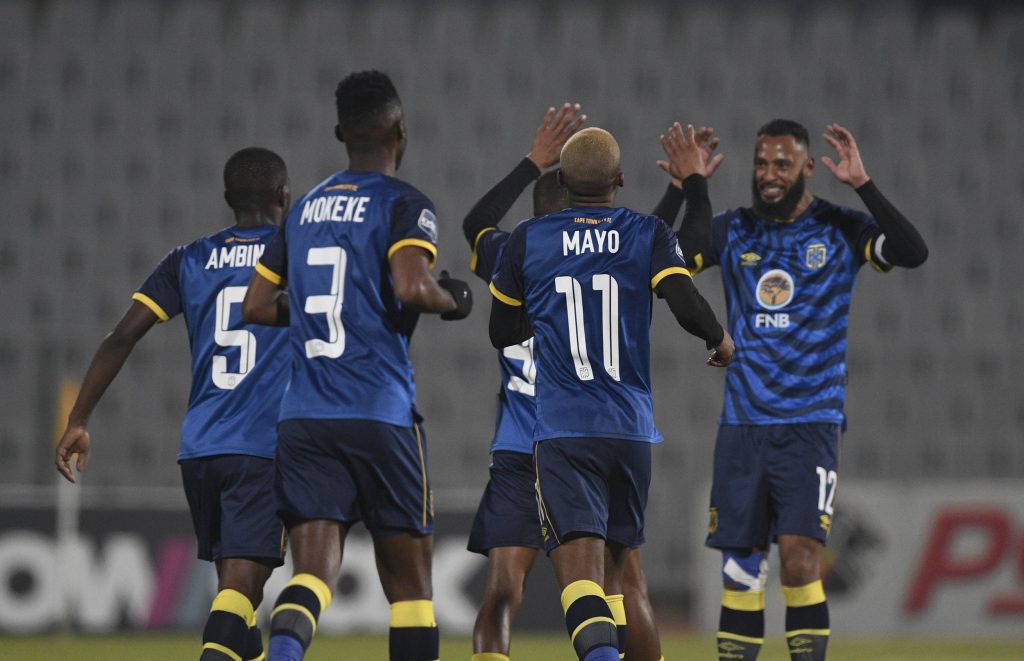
<point>782,209</point>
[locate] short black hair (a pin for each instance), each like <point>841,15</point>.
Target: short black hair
<point>365,95</point>
<point>548,195</point>
<point>786,127</point>
<point>252,176</point>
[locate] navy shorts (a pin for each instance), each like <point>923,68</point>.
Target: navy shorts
<point>772,480</point>
<point>231,497</point>
<point>592,486</point>
<point>354,470</point>
<point>507,515</point>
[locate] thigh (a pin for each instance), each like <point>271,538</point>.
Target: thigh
<point>203,505</point>
<point>629,483</point>
<point>389,466</point>
<point>313,480</point>
<point>404,566</point>
<point>803,471</point>
<point>572,490</point>
<point>249,525</point>
<point>740,515</point>
<point>507,515</point>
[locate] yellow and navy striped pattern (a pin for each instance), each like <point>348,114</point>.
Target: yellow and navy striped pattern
<point>227,628</point>
<point>587,617</point>
<point>268,274</point>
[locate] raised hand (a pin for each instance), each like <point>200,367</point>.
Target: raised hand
<point>850,168</point>
<point>685,155</point>
<point>554,130</point>
<point>708,143</point>
<point>74,440</point>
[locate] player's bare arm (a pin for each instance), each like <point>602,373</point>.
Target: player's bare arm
<point>903,245</point>
<point>416,288</point>
<point>265,302</point>
<point>106,363</point>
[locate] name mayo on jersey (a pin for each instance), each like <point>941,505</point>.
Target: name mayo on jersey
<point>235,256</point>
<point>578,243</point>
<point>335,208</point>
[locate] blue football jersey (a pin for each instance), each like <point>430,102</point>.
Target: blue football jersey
<point>585,276</point>
<point>517,409</point>
<point>238,370</point>
<point>788,288</point>
<point>349,334</point>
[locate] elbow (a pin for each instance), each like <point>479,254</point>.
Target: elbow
<point>408,293</point>
<point>918,258</point>
<point>249,311</point>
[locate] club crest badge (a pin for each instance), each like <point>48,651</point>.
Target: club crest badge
<point>815,256</point>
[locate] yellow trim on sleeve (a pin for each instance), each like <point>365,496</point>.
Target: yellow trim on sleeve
<point>743,601</point>
<point>698,261</point>
<point>476,242</point>
<point>226,651</point>
<point>743,639</point>
<point>664,273</point>
<point>414,613</point>
<point>804,595</point>
<point>267,273</point>
<point>151,304</point>
<point>426,245</point>
<point>507,300</point>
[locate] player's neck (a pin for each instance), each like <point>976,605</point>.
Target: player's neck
<point>595,201</point>
<point>255,218</point>
<point>380,160</point>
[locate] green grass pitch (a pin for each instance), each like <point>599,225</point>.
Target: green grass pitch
<point>526,647</point>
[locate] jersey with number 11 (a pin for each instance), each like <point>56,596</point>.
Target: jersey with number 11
<point>349,334</point>
<point>238,369</point>
<point>585,276</point>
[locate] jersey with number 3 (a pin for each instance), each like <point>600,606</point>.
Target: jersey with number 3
<point>585,276</point>
<point>238,370</point>
<point>349,334</point>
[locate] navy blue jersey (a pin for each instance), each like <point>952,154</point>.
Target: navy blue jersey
<point>585,276</point>
<point>788,288</point>
<point>349,333</point>
<point>238,370</point>
<point>517,409</point>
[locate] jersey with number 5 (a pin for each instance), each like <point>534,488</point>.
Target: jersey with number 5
<point>517,412</point>
<point>585,276</point>
<point>238,370</point>
<point>349,334</point>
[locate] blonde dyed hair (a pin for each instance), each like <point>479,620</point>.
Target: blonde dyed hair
<point>590,161</point>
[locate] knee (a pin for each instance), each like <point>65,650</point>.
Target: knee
<point>800,565</point>
<point>506,590</point>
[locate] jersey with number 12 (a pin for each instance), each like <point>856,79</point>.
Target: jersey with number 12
<point>238,370</point>
<point>585,276</point>
<point>349,334</point>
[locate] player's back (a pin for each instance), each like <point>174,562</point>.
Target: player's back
<point>349,333</point>
<point>586,278</point>
<point>238,370</point>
